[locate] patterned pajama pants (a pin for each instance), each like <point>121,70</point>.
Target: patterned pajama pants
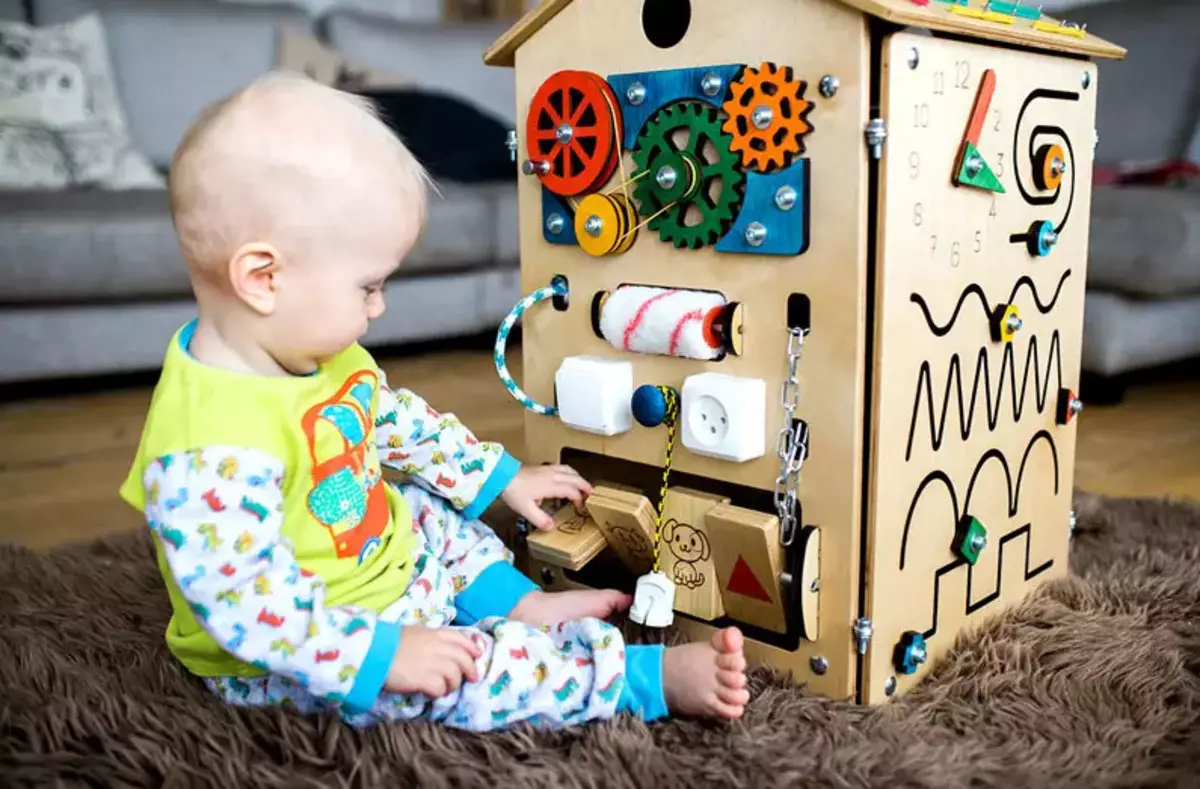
<point>552,676</point>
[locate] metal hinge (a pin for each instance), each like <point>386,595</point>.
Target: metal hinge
<point>876,133</point>
<point>862,634</point>
<point>512,144</point>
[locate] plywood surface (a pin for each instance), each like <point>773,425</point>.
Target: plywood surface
<point>965,424</point>
<point>814,38</point>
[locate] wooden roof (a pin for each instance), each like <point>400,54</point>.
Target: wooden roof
<point>963,17</point>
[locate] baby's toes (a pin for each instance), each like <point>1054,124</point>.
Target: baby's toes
<point>736,697</point>
<point>734,662</point>
<point>734,680</point>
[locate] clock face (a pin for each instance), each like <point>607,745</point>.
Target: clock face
<point>980,269</point>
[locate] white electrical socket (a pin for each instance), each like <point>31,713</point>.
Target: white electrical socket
<point>594,394</point>
<point>724,416</point>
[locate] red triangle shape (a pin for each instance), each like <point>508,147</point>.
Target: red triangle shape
<point>743,581</point>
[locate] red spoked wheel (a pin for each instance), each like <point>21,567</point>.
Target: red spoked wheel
<point>574,124</point>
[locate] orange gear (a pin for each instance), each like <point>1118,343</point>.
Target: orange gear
<point>767,116</point>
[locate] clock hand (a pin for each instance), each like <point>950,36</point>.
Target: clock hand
<point>969,167</point>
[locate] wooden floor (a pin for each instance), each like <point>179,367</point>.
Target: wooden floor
<point>62,458</point>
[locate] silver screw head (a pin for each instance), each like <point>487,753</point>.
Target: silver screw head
<point>1072,522</point>
<point>785,198</point>
<point>914,57</point>
<point>978,543</point>
<point>829,86</point>
<point>711,84</point>
<point>529,167</point>
<point>511,142</point>
<point>555,223</point>
<point>1014,323</point>
<point>756,234</point>
<point>1058,166</point>
<point>565,133</point>
<point>1087,80</point>
<point>1050,237</point>
<point>889,687</point>
<point>919,654</point>
<point>974,164</point>
<point>636,93</point>
<point>762,117</point>
<point>593,225</point>
<point>1076,405</point>
<point>819,664</point>
<point>666,176</point>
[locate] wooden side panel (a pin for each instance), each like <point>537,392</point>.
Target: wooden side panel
<point>965,423</point>
<point>814,38</point>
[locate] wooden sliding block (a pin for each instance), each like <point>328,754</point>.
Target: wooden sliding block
<point>627,521</point>
<point>575,540</point>
<point>749,560</point>
<point>686,553</point>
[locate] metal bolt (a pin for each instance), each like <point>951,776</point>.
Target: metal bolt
<point>1087,80</point>
<point>863,630</point>
<point>1058,166</point>
<point>1076,405</point>
<point>786,579</point>
<point>1071,522</point>
<point>1049,237</point>
<point>978,543</point>
<point>914,57</point>
<point>666,176</point>
<point>919,655</point>
<point>511,142</point>
<point>876,136</point>
<point>974,165</point>
<point>815,586</point>
<point>593,225</point>
<point>636,93</point>
<point>762,117</point>
<point>565,133</point>
<point>829,86</point>
<point>529,167</point>
<point>785,198</point>
<point>555,223</point>
<point>1013,323</point>
<point>756,234</point>
<point>711,84</point>
<point>889,687</point>
<point>819,664</point>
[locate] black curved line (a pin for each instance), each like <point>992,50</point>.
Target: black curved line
<point>970,607</point>
<point>976,290</point>
<point>1014,493</point>
<point>1040,93</point>
<point>1060,132</point>
<point>966,415</point>
<point>933,476</point>
<point>1038,436</point>
<point>991,453</point>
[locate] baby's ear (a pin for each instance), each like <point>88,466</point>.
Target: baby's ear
<point>252,272</point>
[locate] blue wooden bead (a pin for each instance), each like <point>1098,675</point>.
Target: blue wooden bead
<point>649,406</point>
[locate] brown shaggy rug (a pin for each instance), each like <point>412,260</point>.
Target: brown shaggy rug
<point>1092,683</point>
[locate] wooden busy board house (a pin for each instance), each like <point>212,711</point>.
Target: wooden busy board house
<point>829,257</point>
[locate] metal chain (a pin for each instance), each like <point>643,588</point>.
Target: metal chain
<point>792,445</point>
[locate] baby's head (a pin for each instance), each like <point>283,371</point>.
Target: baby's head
<point>293,202</point>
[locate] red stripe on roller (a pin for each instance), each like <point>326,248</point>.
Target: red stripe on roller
<point>636,320</point>
<point>688,317</point>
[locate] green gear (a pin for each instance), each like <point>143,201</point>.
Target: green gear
<point>716,215</point>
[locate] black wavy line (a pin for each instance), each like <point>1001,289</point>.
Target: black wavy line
<point>974,289</point>
<point>966,416</point>
<point>1014,493</point>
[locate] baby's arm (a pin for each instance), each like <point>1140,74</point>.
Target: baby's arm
<point>218,514</point>
<point>439,453</point>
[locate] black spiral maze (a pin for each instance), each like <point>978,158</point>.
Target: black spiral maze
<point>1039,132</point>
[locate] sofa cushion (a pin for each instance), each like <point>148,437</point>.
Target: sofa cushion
<point>1121,335</point>
<point>447,57</point>
<point>1145,241</point>
<point>12,11</point>
<point>173,59</point>
<point>92,246</point>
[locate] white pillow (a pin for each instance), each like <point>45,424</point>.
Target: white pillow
<point>61,120</point>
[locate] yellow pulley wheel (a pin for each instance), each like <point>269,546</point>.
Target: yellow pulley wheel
<point>598,224</point>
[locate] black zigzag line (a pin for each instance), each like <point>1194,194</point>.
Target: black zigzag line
<point>966,414</point>
<point>974,290</point>
<point>1013,492</point>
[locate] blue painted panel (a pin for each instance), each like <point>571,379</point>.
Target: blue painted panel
<point>662,88</point>
<point>787,231</point>
<point>552,204</point>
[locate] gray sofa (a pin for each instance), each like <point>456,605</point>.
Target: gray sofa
<point>91,281</point>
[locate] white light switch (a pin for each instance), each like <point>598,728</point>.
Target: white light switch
<point>594,394</point>
<point>724,416</point>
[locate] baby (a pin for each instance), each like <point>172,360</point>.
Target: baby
<point>296,574</point>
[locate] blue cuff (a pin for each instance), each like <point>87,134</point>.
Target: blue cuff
<point>494,592</point>
<point>506,468</point>
<point>642,693</point>
<point>375,666</point>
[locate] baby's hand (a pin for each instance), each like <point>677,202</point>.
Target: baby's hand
<point>531,485</point>
<point>432,661</point>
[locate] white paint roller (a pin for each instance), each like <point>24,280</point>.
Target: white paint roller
<point>694,324</point>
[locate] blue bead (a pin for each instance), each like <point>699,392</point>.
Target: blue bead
<point>649,406</point>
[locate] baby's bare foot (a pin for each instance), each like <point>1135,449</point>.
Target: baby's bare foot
<point>707,679</point>
<point>549,608</point>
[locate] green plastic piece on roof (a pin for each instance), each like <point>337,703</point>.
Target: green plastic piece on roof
<point>1015,9</point>
<point>984,178</point>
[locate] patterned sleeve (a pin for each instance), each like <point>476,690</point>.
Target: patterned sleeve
<point>218,514</point>
<point>439,453</point>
